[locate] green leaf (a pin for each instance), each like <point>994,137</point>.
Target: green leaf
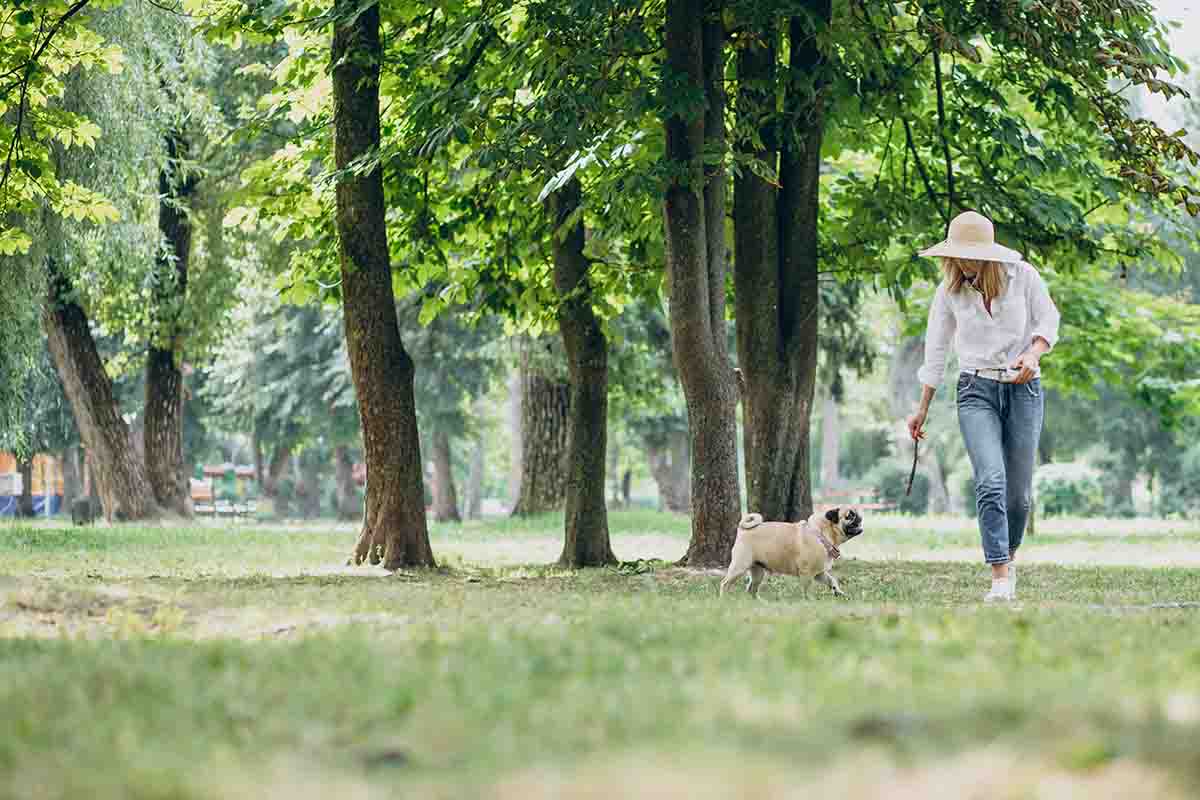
<point>30,168</point>
<point>25,17</point>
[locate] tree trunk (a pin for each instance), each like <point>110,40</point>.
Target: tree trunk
<point>395,530</point>
<point>308,490</point>
<point>669,466</point>
<point>281,459</point>
<point>613,469</point>
<point>25,501</point>
<point>348,507</point>
<point>776,272</point>
<point>260,476</point>
<point>445,498</point>
<point>71,483</point>
<point>515,399</point>
<point>118,471</point>
<point>164,379</point>
<point>585,535</point>
<point>831,444</point>
<point>694,211</point>
<point>939,492</point>
<point>545,419</point>
<point>475,481</point>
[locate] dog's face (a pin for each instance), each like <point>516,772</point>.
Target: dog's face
<point>848,522</point>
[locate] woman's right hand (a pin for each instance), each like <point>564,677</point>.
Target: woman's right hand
<point>916,423</point>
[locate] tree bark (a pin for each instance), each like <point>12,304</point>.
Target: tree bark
<point>585,535</point>
<point>515,399</point>
<point>71,482</point>
<point>348,507</point>
<point>445,497</point>
<point>831,444</point>
<point>25,501</point>
<point>308,489</point>
<point>117,470</point>
<point>475,481</point>
<point>395,531</point>
<point>164,379</point>
<point>545,420</point>
<point>694,211</point>
<point>776,274</point>
<point>260,476</point>
<point>281,459</point>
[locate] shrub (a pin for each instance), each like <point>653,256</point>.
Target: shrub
<point>1069,489</point>
<point>891,479</point>
<point>862,450</point>
<point>1179,493</point>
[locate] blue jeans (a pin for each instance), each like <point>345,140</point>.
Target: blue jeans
<point>1001,424</point>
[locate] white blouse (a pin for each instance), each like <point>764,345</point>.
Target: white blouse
<point>1023,311</point>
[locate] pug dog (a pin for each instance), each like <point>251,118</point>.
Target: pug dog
<point>804,549</point>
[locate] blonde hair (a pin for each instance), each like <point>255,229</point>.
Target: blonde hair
<point>990,279</point>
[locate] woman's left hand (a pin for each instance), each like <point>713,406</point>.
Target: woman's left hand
<point>1028,365</point>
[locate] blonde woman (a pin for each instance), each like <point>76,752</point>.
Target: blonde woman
<point>995,310</point>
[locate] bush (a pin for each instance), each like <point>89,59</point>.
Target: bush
<point>891,480</point>
<point>1069,489</point>
<point>1179,495</point>
<point>862,450</point>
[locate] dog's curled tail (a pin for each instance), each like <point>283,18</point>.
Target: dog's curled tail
<point>750,521</point>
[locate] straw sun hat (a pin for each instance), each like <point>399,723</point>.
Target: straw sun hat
<point>972,236</point>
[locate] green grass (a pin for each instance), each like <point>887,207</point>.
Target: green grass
<point>208,662</point>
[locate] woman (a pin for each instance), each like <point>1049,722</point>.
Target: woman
<point>996,310</point>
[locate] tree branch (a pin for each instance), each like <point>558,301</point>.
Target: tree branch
<point>477,54</point>
<point>941,109</point>
<point>32,60</point>
<point>933,198</point>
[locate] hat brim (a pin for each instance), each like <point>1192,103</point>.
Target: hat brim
<point>979,252</point>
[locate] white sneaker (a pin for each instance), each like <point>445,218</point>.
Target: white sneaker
<point>1002,592</point>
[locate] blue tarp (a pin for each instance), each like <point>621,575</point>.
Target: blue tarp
<point>8,505</point>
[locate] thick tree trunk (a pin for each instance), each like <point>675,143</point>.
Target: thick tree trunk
<point>25,501</point>
<point>395,531</point>
<point>545,420</point>
<point>475,481</point>
<point>831,444</point>
<point>118,471</point>
<point>164,379</point>
<point>694,211</point>
<point>72,485</point>
<point>776,274</point>
<point>585,535</point>
<point>445,497</point>
<point>348,507</point>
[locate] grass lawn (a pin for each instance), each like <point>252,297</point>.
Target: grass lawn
<point>215,661</point>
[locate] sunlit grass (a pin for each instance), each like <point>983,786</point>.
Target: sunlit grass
<point>213,662</point>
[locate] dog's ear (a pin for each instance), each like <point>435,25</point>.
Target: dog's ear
<point>832,514</point>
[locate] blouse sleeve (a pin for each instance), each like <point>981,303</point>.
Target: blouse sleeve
<point>938,335</point>
<point>1042,312</point>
